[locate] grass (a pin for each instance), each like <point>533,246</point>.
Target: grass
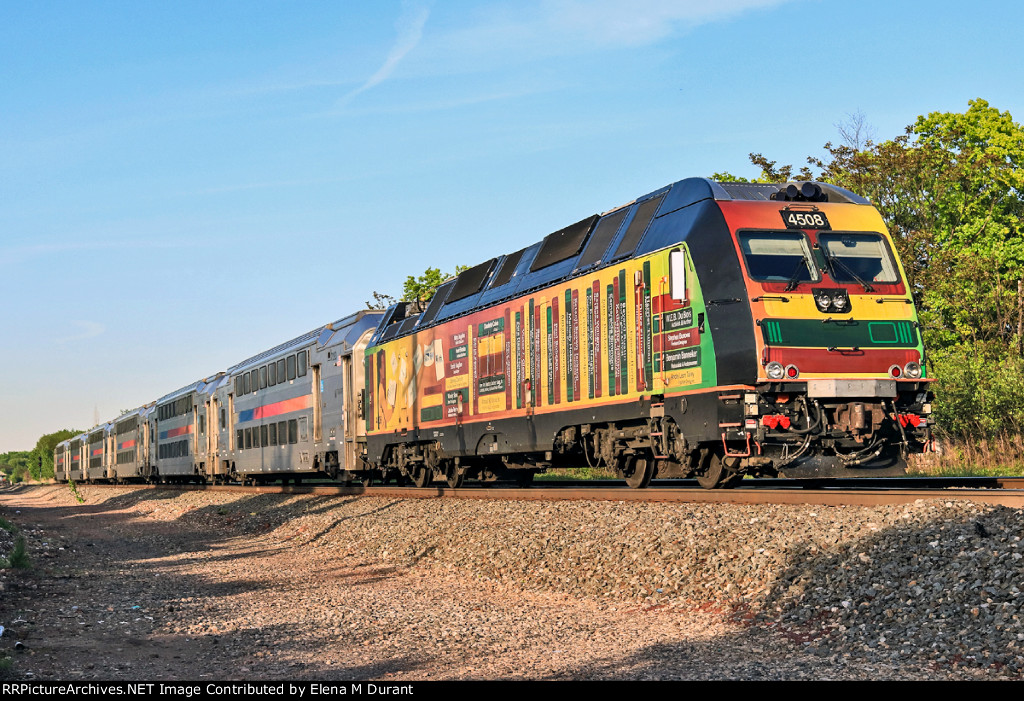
<point>979,457</point>
<point>582,474</point>
<point>7,525</point>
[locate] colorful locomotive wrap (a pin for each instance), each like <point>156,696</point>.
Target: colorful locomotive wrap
<point>722,330</point>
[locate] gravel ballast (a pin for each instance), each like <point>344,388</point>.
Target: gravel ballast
<point>235,586</point>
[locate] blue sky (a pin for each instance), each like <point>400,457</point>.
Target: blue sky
<point>184,184</point>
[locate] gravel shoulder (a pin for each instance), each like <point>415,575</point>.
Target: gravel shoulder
<point>154,585</point>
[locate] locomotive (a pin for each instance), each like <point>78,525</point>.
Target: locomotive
<point>707,330</point>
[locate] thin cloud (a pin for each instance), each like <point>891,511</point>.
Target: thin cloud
<point>87,329</point>
<point>505,33</point>
<point>633,22</point>
<point>19,254</point>
<point>410,25</point>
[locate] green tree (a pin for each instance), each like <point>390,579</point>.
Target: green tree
<point>418,289</point>
<point>42,455</point>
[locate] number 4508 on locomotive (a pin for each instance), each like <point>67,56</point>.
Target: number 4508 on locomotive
<point>708,330</point>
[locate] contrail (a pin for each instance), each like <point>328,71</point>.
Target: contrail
<point>410,29</point>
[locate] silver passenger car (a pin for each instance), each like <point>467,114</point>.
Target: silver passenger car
<point>132,438</point>
<point>62,461</point>
<point>179,426</point>
<point>97,453</point>
<point>292,410</point>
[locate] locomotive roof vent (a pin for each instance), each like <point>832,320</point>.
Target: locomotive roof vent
<point>800,192</point>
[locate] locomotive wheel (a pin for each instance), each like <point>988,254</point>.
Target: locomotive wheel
<point>638,472</point>
<point>421,476</point>
<point>454,476</point>
<point>715,474</point>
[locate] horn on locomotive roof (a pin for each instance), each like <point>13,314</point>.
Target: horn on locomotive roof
<point>803,192</point>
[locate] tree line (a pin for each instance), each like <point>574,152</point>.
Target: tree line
<point>36,464</point>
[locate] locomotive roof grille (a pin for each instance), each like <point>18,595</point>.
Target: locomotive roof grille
<point>602,237</point>
<point>563,244</point>
<point>436,302</point>
<point>645,212</point>
<point>507,269</point>
<point>470,281</point>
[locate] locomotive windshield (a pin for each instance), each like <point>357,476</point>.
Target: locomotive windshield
<point>778,256</point>
<point>857,257</point>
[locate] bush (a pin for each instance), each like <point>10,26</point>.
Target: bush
<point>18,557</point>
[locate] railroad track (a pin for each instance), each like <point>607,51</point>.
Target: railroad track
<point>1004,491</point>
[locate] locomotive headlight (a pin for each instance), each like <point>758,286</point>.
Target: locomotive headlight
<point>839,302</point>
<point>775,370</point>
<point>823,301</point>
<point>912,370</point>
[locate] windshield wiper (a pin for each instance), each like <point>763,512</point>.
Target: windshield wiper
<point>835,260</point>
<point>794,278</point>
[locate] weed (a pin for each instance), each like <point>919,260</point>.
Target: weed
<point>18,557</point>
<point>74,490</point>
<point>7,525</point>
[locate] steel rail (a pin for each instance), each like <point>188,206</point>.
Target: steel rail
<point>746,495</point>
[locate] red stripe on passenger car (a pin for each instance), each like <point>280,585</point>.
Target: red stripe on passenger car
<point>284,407</point>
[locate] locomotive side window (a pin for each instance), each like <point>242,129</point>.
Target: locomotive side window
<point>272,434</point>
<point>272,374</point>
<point>778,256</point>
<point>263,377</point>
<point>291,367</point>
<point>677,274</point>
<point>280,370</point>
<point>302,364</point>
<point>864,256</point>
<point>293,431</point>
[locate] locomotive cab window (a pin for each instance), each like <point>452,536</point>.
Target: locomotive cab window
<point>859,257</point>
<point>778,256</point>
